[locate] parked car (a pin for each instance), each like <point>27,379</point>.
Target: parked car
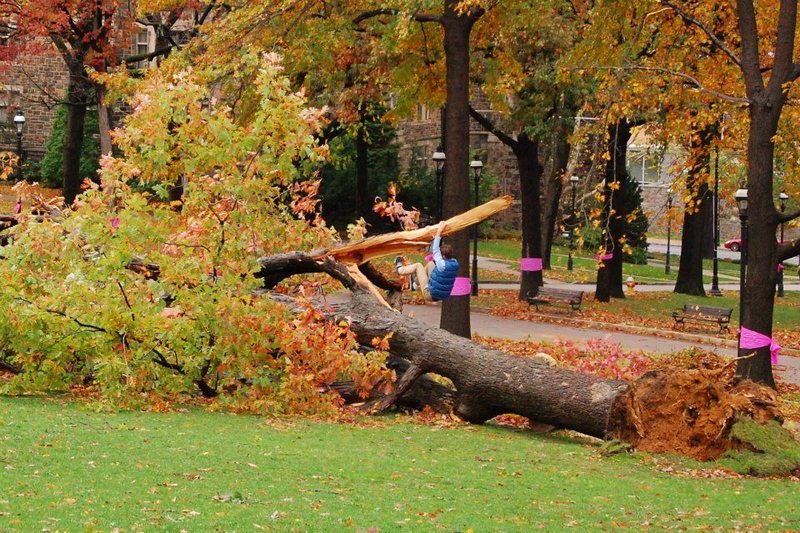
<point>734,245</point>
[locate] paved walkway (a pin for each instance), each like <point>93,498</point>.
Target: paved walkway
<point>492,326</point>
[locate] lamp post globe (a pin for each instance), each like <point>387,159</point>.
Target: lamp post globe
<point>741,204</point>
<point>19,124</point>
<point>476,165</point>
<point>439,158</point>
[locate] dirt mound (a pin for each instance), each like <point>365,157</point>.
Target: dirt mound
<point>691,411</point>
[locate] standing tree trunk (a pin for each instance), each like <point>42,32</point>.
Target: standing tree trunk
<point>696,217</point>
<point>78,94</point>
<point>530,175</point>
<point>609,275</point>
<point>553,189</point>
<point>761,247</point>
<point>457,27</point>
<point>103,121</point>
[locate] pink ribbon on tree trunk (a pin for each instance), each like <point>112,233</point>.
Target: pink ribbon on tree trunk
<point>753,340</point>
<point>461,287</point>
<point>530,264</point>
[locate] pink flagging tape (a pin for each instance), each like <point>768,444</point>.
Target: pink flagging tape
<point>461,287</point>
<point>753,340</point>
<point>530,264</point>
<point>607,257</point>
<point>429,258</point>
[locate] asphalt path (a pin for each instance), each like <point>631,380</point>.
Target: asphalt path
<point>660,247</point>
<point>487,325</point>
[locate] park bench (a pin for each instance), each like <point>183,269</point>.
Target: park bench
<point>548,296</point>
<point>704,313</point>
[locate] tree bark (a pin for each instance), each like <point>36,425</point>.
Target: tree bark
<point>526,151</point>
<point>553,188</point>
<point>78,93</point>
<point>457,26</point>
<point>103,121</point>
<point>761,248</point>
<point>609,275</point>
<point>489,382</point>
<point>696,220</point>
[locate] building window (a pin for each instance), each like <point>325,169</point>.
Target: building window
<point>142,46</point>
<point>644,166</point>
<point>419,156</point>
<point>423,114</point>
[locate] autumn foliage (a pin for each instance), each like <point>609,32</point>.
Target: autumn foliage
<point>77,316</point>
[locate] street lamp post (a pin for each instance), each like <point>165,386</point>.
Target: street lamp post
<point>439,159</point>
<point>782,197</point>
<point>741,203</point>
<point>715,290</point>
<point>669,231</point>
<point>573,181</point>
<point>477,166</point>
<point>19,123</point>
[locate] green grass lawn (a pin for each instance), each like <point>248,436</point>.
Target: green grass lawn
<point>66,468</point>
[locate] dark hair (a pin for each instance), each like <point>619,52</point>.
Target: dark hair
<point>447,251</point>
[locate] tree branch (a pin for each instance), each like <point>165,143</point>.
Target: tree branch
<point>691,79</point>
<point>787,251</point>
<point>488,125</point>
<point>711,35</point>
<point>784,47</point>
<point>788,217</point>
<point>748,30</point>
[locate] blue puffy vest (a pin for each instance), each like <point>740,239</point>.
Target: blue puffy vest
<point>441,282</point>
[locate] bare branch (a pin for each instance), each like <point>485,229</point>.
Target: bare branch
<point>788,250</point>
<point>711,35</point>
<point>488,125</point>
<point>788,217</point>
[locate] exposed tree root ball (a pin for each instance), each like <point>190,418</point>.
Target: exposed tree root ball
<point>691,412</point>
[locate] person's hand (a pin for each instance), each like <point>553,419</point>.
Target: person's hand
<point>441,227</point>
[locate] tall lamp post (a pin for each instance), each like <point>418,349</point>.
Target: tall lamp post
<point>439,159</point>
<point>669,230</point>
<point>19,123</point>
<point>715,291</point>
<point>741,203</point>
<point>782,197</point>
<point>573,181</point>
<point>477,166</point>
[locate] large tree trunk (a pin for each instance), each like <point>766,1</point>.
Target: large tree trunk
<point>760,251</point>
<point>553,188</point>
<point>78,94</point>
<point>530,174</point>
<point>696,222</point>
<point>609,275</point>
<point>457,27</point>
<point>489,382</point>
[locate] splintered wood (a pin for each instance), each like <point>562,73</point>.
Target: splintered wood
<point>409,241</point>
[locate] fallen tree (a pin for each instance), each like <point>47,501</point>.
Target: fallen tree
<point>689,412</point>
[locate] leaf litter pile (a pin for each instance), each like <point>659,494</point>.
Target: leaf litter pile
<point>688,404</point>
